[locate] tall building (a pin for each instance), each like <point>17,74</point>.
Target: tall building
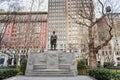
<point>73,29</point>
<point>77,34</point>
<point>63,15</point>
<point>57,22</point>
<point>78,13</point>
<point>23,30</point>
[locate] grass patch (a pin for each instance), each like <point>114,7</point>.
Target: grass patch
<point>113,70</point>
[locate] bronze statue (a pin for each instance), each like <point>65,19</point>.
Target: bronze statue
<point>53,41</point>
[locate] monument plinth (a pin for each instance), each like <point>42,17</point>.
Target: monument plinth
<point>51,63</point>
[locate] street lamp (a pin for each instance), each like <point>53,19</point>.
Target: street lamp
<point>108,9</point>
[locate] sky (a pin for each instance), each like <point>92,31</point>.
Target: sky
<point>24,5</point>
<point>42,5</point>
<point>114,4</point>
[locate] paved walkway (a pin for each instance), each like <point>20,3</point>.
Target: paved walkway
<point>50,78</point>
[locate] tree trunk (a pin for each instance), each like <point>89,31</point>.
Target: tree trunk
<point>17,57</point>
<point>92,51</point>
<point>92,58</point>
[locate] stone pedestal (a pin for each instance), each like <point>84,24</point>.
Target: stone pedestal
<point>51,63</point>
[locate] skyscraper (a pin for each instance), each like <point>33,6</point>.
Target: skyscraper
<point>78,13</point>
<point>63,15</point>
<point>57,22</point>
<point>73,29</point>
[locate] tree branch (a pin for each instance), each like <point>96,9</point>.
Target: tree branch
<point>102,6</point>
<point>106,41</point>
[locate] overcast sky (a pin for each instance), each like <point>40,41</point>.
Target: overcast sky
<point>25,5</point>
<point>114,4</point>
<point>42,5</point>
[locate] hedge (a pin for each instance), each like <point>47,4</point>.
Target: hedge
<point>8,67</point>
<point>104,74</point>
<point>6,73</point>
<point>115,76</point>
<point>108,64</point>
<point>82,67</point>
<point>23,66</point>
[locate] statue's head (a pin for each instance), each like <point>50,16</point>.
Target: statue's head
<point>53,32</point>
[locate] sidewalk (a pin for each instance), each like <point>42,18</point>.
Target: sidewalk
<point>50,78</point>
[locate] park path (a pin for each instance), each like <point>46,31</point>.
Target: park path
<point>50,78</point>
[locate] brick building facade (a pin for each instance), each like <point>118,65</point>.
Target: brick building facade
<point>24,30</point>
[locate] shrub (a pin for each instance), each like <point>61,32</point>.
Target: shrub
<point>82,67</point>
<point>23,65</point>
<point>14,66</point>
<point>104,74</point>
<point>108,64</point>
<point>115,76</point>
<point>8,67</point>
<point>6,73</point>
<point>100,74</point>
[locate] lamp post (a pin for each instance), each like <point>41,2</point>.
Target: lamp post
<point>108,9</point>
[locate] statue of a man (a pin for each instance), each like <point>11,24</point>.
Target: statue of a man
<point>53,41</point>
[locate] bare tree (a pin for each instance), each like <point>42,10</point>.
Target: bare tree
<point>86,18</point>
